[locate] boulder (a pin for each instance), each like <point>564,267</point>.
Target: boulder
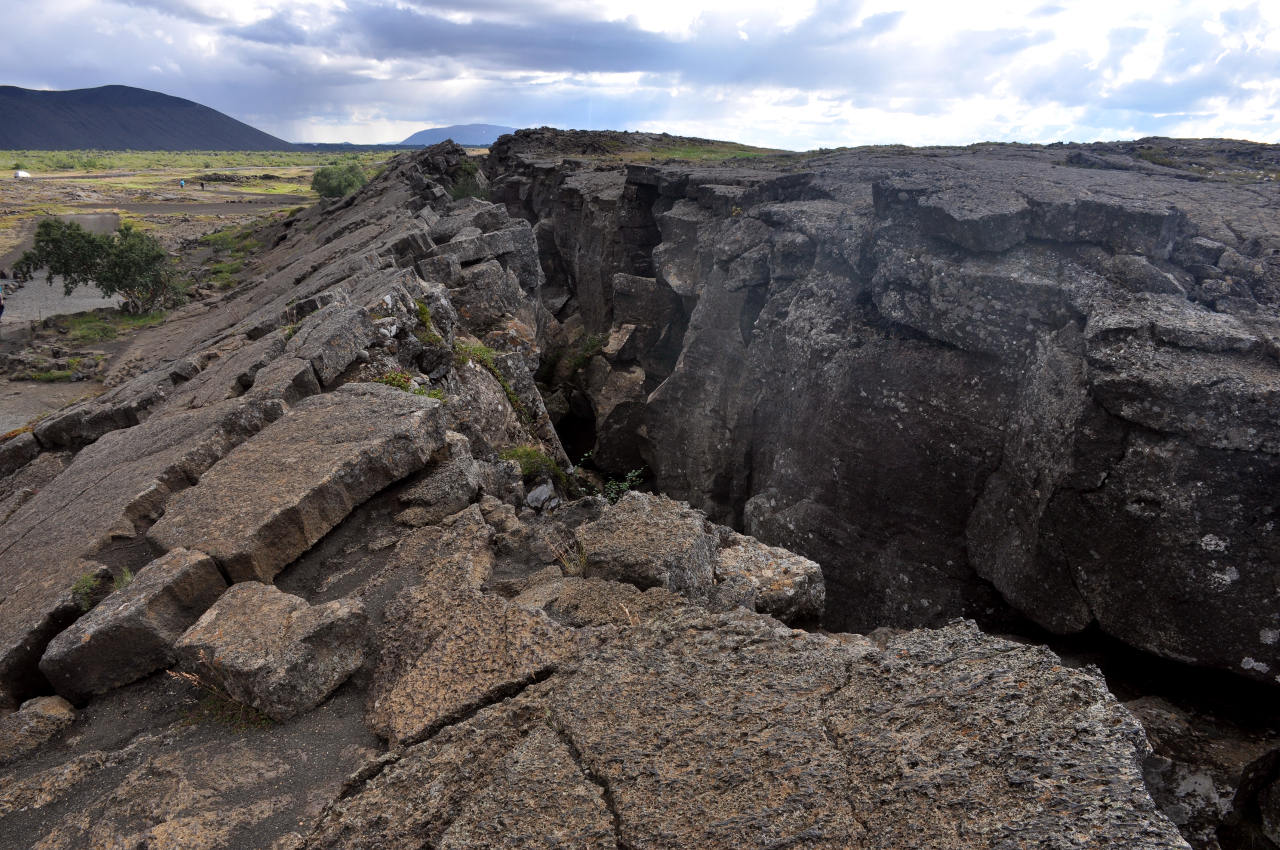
<point>650,541</point>
<point>273,651</point>
<point>448,485</point>
<point>263,506</point>
<point>132,632</point>
<point>17,451</point>
<point>35,723</point>
<point>770,580</point>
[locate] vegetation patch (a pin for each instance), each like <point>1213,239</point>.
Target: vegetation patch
<point>216,706</point>
<point>85,590</point>
<point>535,464</point>
<point>335,181</point>
<point>53,376</point>
<point>616,488</point>
<point>466,183</point>
<point>109,324</point>
<point>123,580</point>
<point>585,348</point>
<point>485,356</point>
<point>426,333</point>
<point>401,380</point>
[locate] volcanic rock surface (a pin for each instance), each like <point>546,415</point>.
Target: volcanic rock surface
<point>1002,381</point>
<point>956,382</point>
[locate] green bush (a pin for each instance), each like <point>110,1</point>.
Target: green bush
<point>615,489</point>
<point>334,181</point>
<point>128,263</point>
<point>534,464</point>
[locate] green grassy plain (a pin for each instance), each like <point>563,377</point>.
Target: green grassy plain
<point>92,161</point>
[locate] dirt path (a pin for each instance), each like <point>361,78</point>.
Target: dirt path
<point>22,401</point>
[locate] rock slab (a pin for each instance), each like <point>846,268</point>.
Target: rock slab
<point>132,632</point>
<point>273,651</point>
<point>267,503</point>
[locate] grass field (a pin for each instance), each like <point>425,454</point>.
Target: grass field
<point>61,162</point>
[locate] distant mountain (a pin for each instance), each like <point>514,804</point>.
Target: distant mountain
<point>473,135</point>
<point>120,118</point>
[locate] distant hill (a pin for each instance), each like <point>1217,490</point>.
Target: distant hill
<point>474,135</point>
<point>120,118</point>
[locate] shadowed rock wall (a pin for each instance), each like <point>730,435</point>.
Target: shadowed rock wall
<point>999,380</point>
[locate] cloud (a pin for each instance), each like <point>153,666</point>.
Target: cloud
<point>817,72</point>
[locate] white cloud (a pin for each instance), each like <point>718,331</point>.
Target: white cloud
<point>805,74</point>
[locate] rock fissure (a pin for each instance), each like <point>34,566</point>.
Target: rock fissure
<point>954,383</point>
<point>606,792</point>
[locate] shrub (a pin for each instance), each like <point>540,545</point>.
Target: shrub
<point>615,489</point>
<point>535,463</point>
<point>128,263</point>
<point>334,181</point>
<point>84,590</point>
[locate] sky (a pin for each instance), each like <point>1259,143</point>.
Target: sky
<point>799,74</point>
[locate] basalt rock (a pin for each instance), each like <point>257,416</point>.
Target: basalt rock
<point>1000,382</point>
<point>447,666</point>
<point>273,651</point>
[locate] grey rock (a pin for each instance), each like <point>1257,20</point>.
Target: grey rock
<point>273,651</point>
<point>132,632</point>
<point>446,486</point>
<point>541,496</point>
<point>266,504</point>
<point>17,452</point>
<point>650,541</point>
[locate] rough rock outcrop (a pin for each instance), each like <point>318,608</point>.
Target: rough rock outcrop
<point>273,651</point>
<point>449,666</point>
<point>132,632</point>
<point>1002,381</point>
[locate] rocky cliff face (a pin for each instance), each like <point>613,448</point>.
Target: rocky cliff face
<point>310,575</point>
<point>998,381</point>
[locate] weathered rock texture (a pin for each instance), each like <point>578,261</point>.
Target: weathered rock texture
<point>963,381</point>
<point>273,651</point>
<point>132,632</point>
<point>452,661</point>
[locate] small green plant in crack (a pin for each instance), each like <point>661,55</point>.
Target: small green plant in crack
<point>615,489</point>
<point>485,356</point>
<point>123,580</point>
<point>84,590</point>
<point>401,380</point>
<point>290,331</point>
<point>437,394</point>
<point>426,333</point>
<point>535,463</point>
<point>586,348</point>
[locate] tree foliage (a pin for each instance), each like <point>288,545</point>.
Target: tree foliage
<point>334,181</point>
<point>128,263</point>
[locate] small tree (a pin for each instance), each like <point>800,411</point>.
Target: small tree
<point>128,263</point>
<point>334,181</point>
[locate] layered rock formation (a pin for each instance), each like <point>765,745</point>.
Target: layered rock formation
<point>1004,381</point>
<point>333,503</point>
